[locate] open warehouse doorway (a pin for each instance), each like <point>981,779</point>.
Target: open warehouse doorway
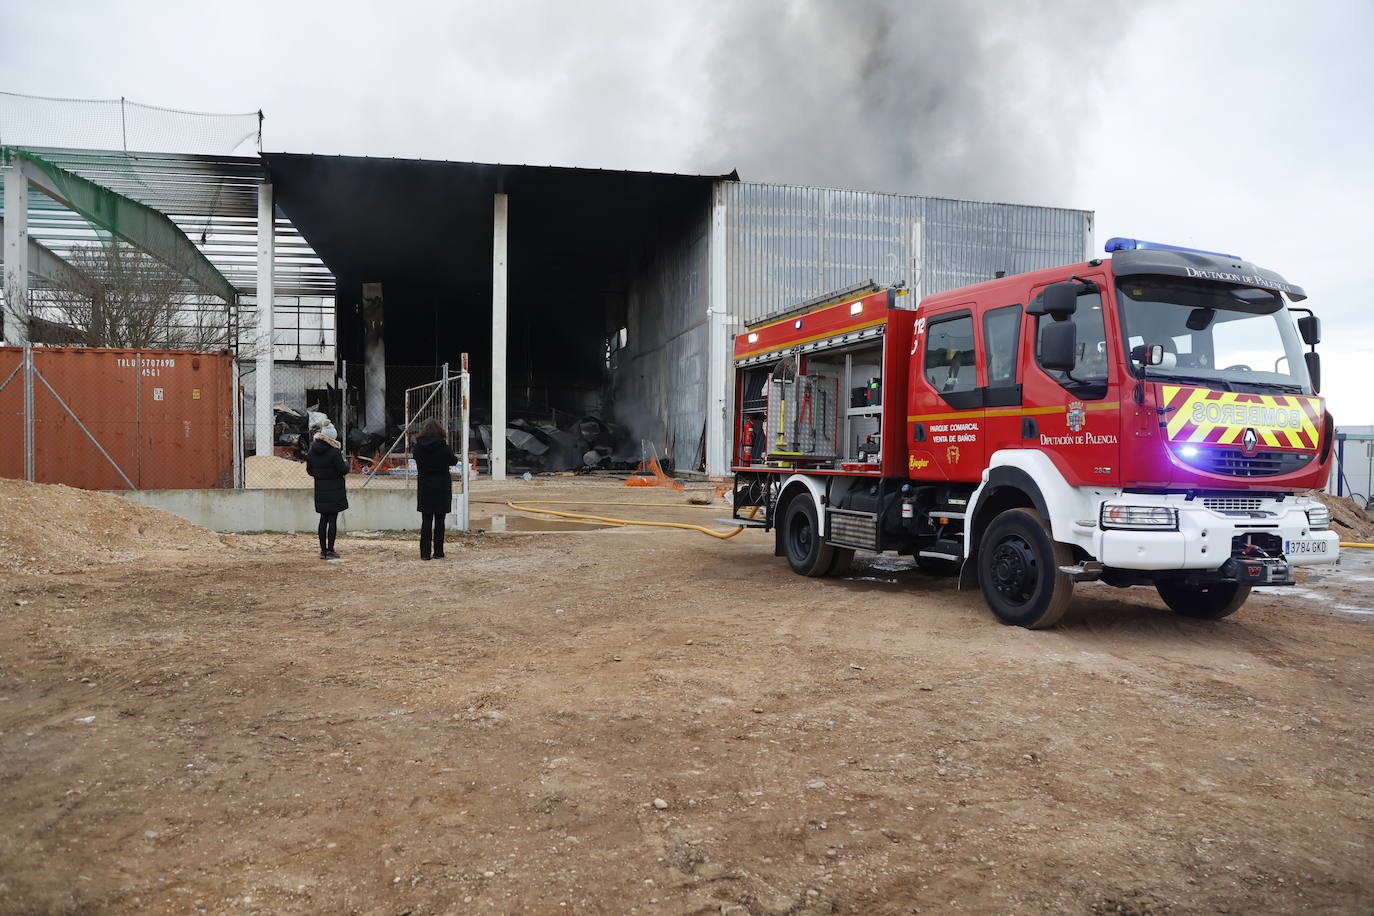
<point>411,245</point>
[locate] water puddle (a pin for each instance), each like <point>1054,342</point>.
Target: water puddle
<point>1349,609</point>
<point>515,524</point>
<point>869,579</point>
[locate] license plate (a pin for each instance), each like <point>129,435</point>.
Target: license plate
<point>1305,546</point>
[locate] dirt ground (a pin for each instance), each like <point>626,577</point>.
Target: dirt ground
<point>644,721</point>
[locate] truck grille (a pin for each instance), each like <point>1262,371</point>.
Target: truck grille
<point>1234,463</point>
<point>1233,503</point>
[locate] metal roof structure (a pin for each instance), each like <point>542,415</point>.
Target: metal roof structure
<point>212,199</point>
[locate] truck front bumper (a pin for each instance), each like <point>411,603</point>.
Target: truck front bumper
<point>1232,535</point>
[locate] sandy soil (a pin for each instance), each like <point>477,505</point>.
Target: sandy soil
<point>240,727</point>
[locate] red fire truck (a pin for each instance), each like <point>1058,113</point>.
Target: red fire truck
<point>1145,419</point>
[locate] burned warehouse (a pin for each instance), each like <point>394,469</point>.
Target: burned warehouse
<point>619,292</point>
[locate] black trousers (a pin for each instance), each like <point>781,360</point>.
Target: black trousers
<point>432,529</point>
<point>329,527</point>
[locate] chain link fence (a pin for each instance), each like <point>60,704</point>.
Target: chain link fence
<point>110,419</point>
<point>377,447</point>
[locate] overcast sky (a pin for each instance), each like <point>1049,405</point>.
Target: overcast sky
<point>1245,127</point>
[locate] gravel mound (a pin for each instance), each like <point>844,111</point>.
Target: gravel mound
<point>268,472</point>
<point>1348,518</point>
<point>51,528</point>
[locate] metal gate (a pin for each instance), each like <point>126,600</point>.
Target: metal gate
<point>445,400</point>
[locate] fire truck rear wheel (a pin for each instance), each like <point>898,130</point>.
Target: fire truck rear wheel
<point>1018,569</point>
<point>807,554</point>
<point>1206,602</point>
<point>844,558</point>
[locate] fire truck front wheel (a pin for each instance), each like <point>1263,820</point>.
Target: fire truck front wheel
<point>1206,602</point>
<point>1018,569</point>
<point>807,554</point>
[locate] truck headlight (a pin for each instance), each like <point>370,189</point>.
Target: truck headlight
<point>1318,518</point>
<point>1139,518</point>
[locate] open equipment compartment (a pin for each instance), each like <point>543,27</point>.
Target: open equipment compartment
<point>822,410</point>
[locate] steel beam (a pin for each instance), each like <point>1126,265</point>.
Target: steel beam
<point>48,265</point>
<point>718,376</point>
<point>266,294</point>
<point>500,226</point>
<point>141,226</point>
<point>16,234</point>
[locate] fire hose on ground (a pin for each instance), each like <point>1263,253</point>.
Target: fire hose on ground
<point>528,506</point>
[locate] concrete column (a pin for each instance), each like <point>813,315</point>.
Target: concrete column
<point>267,292</point>
<point>719,381</point>
<point>498,338</point>
<point>16,279</point>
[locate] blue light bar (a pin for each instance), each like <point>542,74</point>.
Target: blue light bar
<point>1122,244</point>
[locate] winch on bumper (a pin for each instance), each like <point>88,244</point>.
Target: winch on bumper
<point>1255,540</point>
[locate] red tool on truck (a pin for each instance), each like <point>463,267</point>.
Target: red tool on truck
<point>1145,419</point>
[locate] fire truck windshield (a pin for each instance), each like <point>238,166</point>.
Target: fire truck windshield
<point>1214,334</point>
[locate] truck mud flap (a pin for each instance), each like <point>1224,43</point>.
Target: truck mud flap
<point>846,528</point>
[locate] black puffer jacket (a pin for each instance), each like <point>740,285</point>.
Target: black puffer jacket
<point>434,490</point>
<point>326,464</point>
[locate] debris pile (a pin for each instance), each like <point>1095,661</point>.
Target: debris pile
<point>47,528</point>
<point>585,444</point>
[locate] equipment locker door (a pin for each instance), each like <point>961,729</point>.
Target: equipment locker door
<point>946,403</point>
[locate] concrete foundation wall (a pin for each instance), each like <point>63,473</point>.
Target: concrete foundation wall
<point>286,510</point>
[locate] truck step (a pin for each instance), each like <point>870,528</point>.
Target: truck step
<point>940,555</point>
<point>742,522</point>
<point>946,513</point>
<point>1087,571</point>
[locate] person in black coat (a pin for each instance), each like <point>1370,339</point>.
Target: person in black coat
<point>325,462</point>
<point>434,487</point>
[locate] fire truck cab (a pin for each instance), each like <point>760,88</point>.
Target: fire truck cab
<point>1144,419</point>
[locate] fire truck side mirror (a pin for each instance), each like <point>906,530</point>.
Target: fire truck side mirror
<point>1058,341</point>
<point>1310,327</point>
<point>1151,355</point>
<point>1058,300</point>
<point>1314,369</point>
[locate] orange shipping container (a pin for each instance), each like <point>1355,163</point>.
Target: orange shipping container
<point>165,417</point>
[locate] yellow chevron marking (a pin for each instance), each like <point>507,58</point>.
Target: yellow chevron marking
<point>1280,422</point>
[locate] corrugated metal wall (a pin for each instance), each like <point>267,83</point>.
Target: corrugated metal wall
<point>658,381</point>
<point>787,244</point>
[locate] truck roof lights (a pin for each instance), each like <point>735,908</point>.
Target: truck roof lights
<point>1118,243</point>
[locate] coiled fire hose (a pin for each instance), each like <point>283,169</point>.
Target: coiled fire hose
<point>529,507</point>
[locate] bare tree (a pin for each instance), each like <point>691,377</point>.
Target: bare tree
<point>130,300</point>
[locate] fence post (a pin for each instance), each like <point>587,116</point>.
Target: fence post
<point>28,414</point>
<point>236,421</point>
<point>446,405</point>
<point>464,422</point>
<point>138,418</point>
<point>343,405</point>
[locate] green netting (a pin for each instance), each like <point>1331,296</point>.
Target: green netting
<point>141,226</point>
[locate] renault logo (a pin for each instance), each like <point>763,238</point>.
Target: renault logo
<point>1249,442</point>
